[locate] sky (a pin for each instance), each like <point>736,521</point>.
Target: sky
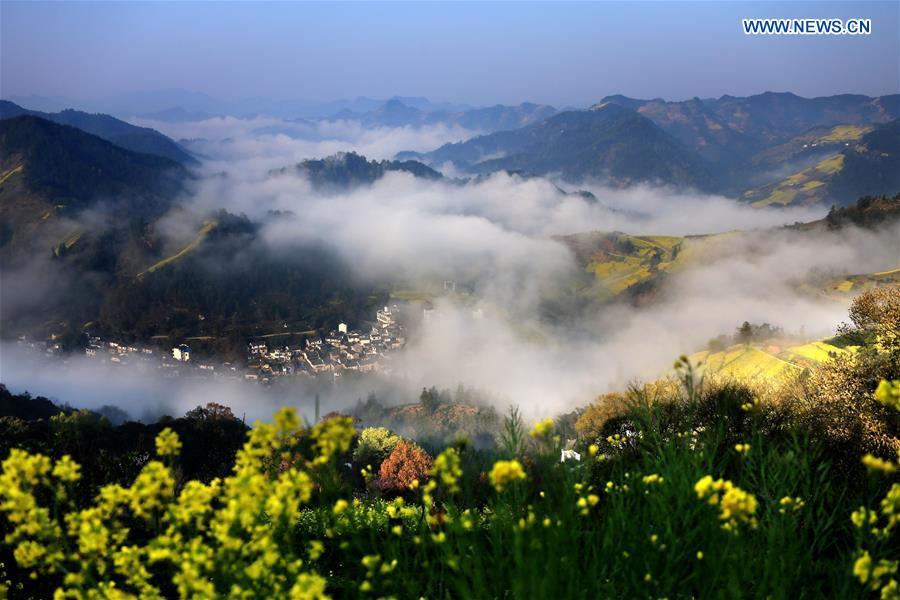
<point>477,53</point>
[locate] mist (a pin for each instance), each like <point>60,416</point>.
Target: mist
<point>499,238</point>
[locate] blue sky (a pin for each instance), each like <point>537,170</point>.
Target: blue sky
<point>559,53</point>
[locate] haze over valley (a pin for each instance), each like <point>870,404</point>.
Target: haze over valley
<point>541,256</point>
<point>490,300</point>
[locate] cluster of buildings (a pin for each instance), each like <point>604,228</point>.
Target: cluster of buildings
<point>340,351</point>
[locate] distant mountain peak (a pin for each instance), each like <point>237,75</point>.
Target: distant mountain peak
<point>348,170</point>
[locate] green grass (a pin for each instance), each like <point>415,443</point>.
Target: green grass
<point>640,540</point>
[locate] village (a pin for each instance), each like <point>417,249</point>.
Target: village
<point>343,351</point>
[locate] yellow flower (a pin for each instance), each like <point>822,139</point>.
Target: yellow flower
<point>862,568</point>
<point>699,554</point>
<point>652,479</point>
<point>340,506</point>
<point>67,470</point>
<point>333,437</point>
<point>742,448</point>
<point>167,443</point>
<point>735,505</point>
<point>446,469</point>
<point>542,428</point>
<point>316,548</point>
<point>153,488</point>
<point>505,472</point>
<point>873,463</point>
<point>788,503</point>
<point>593,449</point>
<point>888,393</point>
<point>616,440</point>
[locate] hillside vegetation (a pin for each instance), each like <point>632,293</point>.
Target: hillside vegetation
<point>679,488</point>
<point>864,166</point>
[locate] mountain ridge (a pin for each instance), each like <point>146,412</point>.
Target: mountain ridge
<point>116,131</point>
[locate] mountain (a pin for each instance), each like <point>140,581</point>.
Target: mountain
<point>620,267</point>
<point>394,113</point>
<point>739,147</point>
<point>125,135</point>
<point>177,114</point>
<point>399,112</point>
<point>86,236</point>
<point>608,141</point>
<point>730,129</point>
<point>865,166</point>
<point>348,169</point>
<point>50,173</point>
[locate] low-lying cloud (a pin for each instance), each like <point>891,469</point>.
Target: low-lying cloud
<point>497,237</point>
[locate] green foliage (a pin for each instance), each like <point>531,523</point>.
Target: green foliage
<point>512,436</point>
<point>374,445</point>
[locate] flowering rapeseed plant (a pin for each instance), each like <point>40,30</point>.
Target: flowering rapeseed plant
<point>888,393</point>
<point>168,443</point>
<point>735,505</point>
<point>882,574</point>
<point>542,428</point>
<point>505,472</point>
<point>226,538</point>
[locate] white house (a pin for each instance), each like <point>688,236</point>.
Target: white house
<point>182,353</point>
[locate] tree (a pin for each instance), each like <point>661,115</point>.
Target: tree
<point>407,463</point>
<point>430,399</point>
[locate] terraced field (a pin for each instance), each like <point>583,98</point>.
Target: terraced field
<point>744,362</point>
<point>855,284</point>
<point>804,187</point>
<point>619,261</point>
<point>766,361</point>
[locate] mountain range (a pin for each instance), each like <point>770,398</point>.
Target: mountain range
<point>120,133</point>
<point>741,147</point>
<point>86,237</point>
<point>91,221</point>
<point>396,113</point>
<point>607,142</point>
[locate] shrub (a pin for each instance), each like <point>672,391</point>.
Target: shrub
<point>406,464</point>
<point>374,446</point>
<point>590,424</point>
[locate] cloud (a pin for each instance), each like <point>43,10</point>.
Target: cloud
<point>267,142</point>
<point>510,332</point>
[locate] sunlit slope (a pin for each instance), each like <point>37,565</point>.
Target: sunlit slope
<point>616,263</point>
<point>805,187</point>
<point>767,361</point>
<point>841,288</point>
<point>743,362</point>
<point>864,163</point>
